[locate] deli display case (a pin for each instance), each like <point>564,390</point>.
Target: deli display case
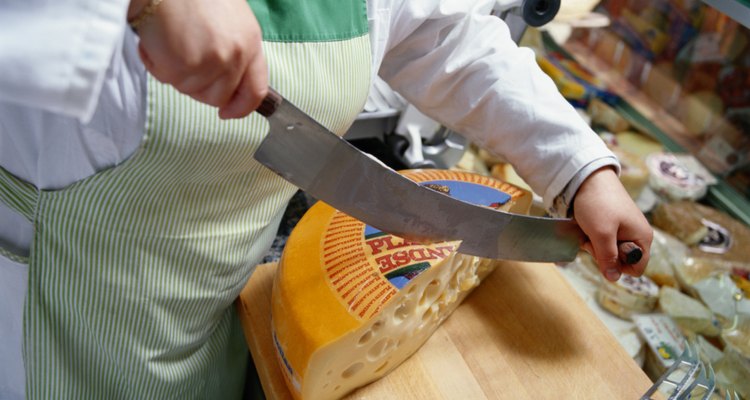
<point>683,71</point>
<point>667,84</point>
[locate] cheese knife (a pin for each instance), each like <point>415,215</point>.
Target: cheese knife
<point>330,169</point>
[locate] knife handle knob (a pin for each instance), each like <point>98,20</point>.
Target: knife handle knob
<point>629,253</point>
<point>270,103</point>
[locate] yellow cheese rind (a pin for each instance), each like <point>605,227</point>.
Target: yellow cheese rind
<point>351,303</point>
<point>299,299</point>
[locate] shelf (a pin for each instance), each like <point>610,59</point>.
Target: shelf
<point>648,118</point>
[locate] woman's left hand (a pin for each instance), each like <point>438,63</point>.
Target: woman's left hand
<point>607,215</point>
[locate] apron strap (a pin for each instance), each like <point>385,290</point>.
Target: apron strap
<point>20,196</point>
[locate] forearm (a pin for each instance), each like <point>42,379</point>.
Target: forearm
<point>562,205</point>
<point>460,66</point>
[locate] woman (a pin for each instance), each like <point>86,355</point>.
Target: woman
<point>132,214</point>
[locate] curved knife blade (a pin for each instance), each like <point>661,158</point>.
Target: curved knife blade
<point>330,169</point>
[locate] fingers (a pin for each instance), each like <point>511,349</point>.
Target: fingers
<point>644,243</point>
<point>250,92</point>
<point>605,252</point>
<point>221,65</point>
<point>236,82</point>
<point>608,217</point>
<point>609,253</point>
<point>611,247</point>
<point>215,90</point>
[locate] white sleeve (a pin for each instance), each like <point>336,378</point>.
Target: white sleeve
<point>459,65</point>
<point>54,54</point>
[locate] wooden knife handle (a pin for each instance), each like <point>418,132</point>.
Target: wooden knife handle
<point>629,253</point>
<point>270,103</point>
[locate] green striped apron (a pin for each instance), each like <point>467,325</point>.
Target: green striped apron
<point>133,271</point>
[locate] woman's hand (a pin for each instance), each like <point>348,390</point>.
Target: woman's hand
<point>607,215</point>
<point>207,49</point>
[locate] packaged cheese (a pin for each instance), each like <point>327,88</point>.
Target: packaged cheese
<point>604,115</point>
<point>667,253</point>
<point>350,303</point>
<point>710,232</point>
<point>690,314</point>
<point>634,173</point>
<point>664,340</point>
<point>733,370</point>
<point>678,176</point>
<point>638,144</point>
<point>628,295</point>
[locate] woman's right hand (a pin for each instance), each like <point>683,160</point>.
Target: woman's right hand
<point>208,49</point>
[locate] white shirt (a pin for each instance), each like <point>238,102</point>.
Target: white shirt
<point>72,102</point>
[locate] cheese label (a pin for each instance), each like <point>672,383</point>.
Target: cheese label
<point>366,267</point>
<point>718,240</point>
<point>662,336</point>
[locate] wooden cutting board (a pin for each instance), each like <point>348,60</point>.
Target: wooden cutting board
<point>523,334</point>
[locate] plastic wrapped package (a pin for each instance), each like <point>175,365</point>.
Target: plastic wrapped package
<point>690,314</point>
<point>742,283</point>
<point>664,340</point>
<point>667,252</point>
<point>678,219</point>
<point>720,294</point>
<point>585,278</point>
<point>733,370</point>
<point>638,144</point>
<point>628,295</point>
<point>585,266</point>
<point>709,232</point>
<point>709,353</point>
<point>603,114</point>
<point>694,270</point>
<point>678,177</point>
<point>634,173</point>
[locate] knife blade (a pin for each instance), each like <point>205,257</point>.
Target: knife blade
<point>328,168</point>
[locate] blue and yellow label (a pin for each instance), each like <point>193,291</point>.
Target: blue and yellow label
<point>365,267</point>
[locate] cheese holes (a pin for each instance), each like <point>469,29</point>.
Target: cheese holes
<point>380,348</point>
<point>370,333</point>
<point>401,313</point>
<point>426,316</point>
<point>430,292</point>
<point>352,370</point>
<point>381,368</point>
<point>365,338</point>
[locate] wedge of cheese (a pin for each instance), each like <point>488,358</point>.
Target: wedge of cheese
<point>350,303</point>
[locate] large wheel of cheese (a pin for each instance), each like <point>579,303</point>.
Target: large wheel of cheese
<point>351,303</point>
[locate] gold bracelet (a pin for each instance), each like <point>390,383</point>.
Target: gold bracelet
<point>147,11</point>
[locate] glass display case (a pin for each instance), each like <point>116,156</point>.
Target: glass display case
<point>682,68</point>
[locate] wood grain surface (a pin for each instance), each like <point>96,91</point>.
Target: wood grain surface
<point>523,334</point>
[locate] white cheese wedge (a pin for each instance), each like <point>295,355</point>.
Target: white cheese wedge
<point>628,295</point>
<point>351,303</point>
